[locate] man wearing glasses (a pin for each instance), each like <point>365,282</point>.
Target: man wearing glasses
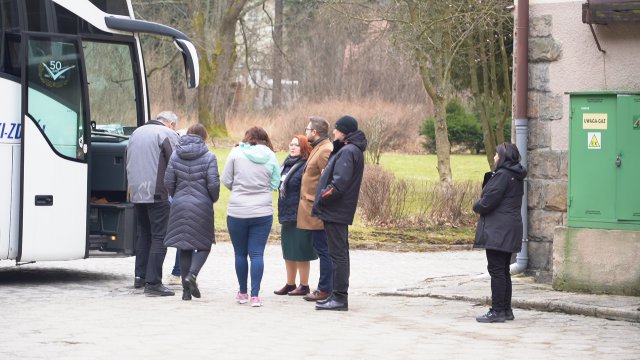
<point>317,132</point>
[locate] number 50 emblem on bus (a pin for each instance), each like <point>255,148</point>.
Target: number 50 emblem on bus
<point>54,74</point>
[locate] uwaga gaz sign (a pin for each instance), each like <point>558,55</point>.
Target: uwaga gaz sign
<point>594,121</point>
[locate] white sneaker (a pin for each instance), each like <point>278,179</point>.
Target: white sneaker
<point>173,280</point>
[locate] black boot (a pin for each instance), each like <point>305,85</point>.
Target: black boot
<point>138,282</point>
<point>508,314</point>
<point>189,283</point>
<point>186,294</point>
<point>491,316</point>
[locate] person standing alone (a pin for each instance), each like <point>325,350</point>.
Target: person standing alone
<point>317,132</point>
<point>148,152</point>
<point>336,202</point>
<point>499,228</point>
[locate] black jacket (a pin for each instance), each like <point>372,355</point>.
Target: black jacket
<point>193,180</point>
<point>339,186</point>
<point>289,197</point>
<point>500,224</point>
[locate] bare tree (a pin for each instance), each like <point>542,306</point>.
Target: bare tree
<point>490,53</point>
<point>212,25</point>
<point>277,54</point>
<point>433,34</point>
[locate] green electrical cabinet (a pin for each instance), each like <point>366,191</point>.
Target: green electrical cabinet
<point>604,160</point>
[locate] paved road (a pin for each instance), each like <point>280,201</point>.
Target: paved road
<point>89,309</point>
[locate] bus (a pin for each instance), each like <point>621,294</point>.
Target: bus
<point>72,88</point>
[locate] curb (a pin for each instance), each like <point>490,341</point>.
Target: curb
<point>548,306</point>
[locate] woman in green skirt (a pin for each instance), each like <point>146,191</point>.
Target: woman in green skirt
<point>297,247</point>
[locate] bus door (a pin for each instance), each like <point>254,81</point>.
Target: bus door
<point>54,173</point>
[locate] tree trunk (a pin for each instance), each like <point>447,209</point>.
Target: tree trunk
<point>276,93</point>
<point>506,96</point>
<point>485,118</point>
<point>443,147</point>
<point>216,68</point>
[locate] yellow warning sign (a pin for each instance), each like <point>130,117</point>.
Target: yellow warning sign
<point>594,140</point>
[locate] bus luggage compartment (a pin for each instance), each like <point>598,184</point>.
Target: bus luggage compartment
<point>112,227</point>
<point>112,222</point>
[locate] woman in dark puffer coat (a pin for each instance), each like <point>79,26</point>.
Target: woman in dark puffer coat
<point>193,180</point>
<point>500,227</point>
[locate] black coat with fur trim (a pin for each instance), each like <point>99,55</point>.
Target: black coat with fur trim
<point>500,224</point>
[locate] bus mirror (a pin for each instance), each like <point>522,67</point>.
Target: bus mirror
<point>191,65</point>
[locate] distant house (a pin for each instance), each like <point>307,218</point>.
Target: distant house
<point>584,178</point>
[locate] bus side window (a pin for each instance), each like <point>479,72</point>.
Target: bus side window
<point>11,56</point>
<point>36,15</point>
<point>10,41</point>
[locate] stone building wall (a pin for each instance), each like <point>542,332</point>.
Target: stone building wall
<point>547,195</point>
<point>563,57</point>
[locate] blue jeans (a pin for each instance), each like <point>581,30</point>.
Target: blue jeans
<point>249,238</point>
<point>325,282</point>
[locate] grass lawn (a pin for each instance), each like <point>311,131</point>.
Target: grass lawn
<point>422,168</point>
<point>425,167</point>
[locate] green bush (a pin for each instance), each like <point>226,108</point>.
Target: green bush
<point>464,129</point>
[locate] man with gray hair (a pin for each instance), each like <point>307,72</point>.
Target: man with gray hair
<point>148,152</point>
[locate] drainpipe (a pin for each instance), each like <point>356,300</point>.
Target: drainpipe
<point>521,121</point>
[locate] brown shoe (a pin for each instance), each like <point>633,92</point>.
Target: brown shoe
<point>316,295</point>
<point>300,291</point>
<point>285,289</point>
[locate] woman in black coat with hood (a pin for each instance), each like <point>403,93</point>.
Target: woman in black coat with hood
<point>499,229</point>
<point>193,180</point>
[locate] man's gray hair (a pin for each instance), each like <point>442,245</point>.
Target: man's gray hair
<point>320,125</point>
<point>168,117</point>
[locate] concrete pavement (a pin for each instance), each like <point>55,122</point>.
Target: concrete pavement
<point>89,309</point>
<point>527,294</point>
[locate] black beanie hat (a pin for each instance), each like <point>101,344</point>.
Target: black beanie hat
<point>347,125</point>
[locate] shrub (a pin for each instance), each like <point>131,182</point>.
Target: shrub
<point>386,201</point>
<point>375,195</point>
<point>398,123</point>
<point>463,128</point>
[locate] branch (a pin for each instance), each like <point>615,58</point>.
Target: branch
<point>246,55</point>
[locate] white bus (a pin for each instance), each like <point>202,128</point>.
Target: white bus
<point>72,87</point>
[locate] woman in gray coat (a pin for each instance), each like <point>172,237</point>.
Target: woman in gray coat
<point>193,180</point>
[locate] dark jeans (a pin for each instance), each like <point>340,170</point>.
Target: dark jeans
<point>249,238</point>
<point>150,250</point>
<point>338,241</point>
<point>192,261</point>
<point>498,267</point>
<point>325,282</point>
<point>176,266</point>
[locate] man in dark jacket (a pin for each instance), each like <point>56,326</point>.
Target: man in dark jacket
<point>336,201</point>
<point>148,152</point>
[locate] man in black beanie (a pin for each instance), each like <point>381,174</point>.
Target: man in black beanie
<point>336,201</point>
